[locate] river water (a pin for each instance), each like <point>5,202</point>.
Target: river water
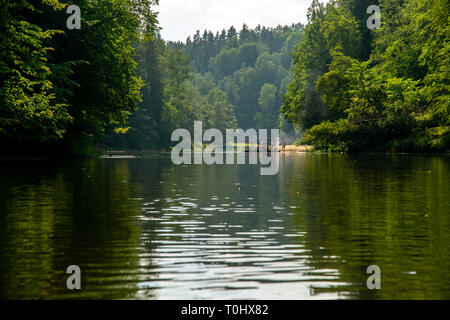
<point>144,228</point>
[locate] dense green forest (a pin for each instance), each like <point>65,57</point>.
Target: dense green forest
<point>227,80</point>
<point>114,83</point>
<point>64,89</point>
<point>251,66</point>
<point>385,89</point>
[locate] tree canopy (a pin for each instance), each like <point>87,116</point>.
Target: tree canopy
<point>115,83</point>
<point>388,88</point>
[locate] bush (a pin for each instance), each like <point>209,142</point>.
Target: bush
<point>343,136</point>
<point>431,140</point>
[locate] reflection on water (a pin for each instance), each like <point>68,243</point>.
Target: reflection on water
<point>146,229</point>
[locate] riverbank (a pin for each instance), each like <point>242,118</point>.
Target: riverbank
<point>124,153</point>
<point>294,148</point>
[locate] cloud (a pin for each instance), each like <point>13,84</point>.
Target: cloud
<point>181,18</point>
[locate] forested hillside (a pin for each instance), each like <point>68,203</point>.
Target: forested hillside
<point>227,80</point>
<point>387,88</point>
<point>251,66</point>
<point>114,83</point>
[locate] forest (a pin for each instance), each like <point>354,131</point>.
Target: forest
<point>227,80</point>
<point>385,89</point>
<point>114,83</point>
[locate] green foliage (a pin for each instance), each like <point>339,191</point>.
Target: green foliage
<point>225,63</point>
<point>173,97</point>
<point>218,113</point>
<point>107,90</point>
<point>342,136</point>
<point>146,127</point>
<point>334,85</point>
<point>28,108</point>
<point>59,84</point>
<point>268,115</point>
<point>226,80</point>
<point>241,63</point>
<point>398,98</point>
<point>181,98</point>
<point>431,140</point>
<point>330,28</point>
<point>116,82</point>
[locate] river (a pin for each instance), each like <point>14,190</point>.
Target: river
<point>143,228</point>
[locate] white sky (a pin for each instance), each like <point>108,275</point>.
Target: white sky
<point>181,18</point>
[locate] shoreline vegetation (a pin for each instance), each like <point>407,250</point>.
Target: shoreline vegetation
<point>132,154</point>
<point>385,89</point>
<point>115,84</point>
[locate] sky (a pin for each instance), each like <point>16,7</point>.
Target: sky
<point>181,18</point>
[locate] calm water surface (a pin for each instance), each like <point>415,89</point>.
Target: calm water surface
<point>146,229</point>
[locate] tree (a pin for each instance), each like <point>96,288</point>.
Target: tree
<point>268,115</point>
<point>145,125</point>
<point>219,114</point>
<point>330,27</point>
<point>69,84</point>
<point>241,63</point>
<point>29,111</point>
<point>397,100</point>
